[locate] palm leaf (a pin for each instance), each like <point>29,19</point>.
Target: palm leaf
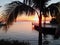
<point>12,10</point>
<point>55,11</point>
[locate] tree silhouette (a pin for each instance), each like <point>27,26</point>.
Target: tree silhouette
<point>12,10</point>
<point>55,11</point>
<point>40,4</point>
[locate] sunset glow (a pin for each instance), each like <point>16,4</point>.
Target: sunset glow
<point>36,18</point>
<point>33,19</point>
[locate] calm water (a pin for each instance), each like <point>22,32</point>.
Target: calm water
<point>20,31</point>
<point>23,31</point>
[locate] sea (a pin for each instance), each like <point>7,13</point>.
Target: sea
<point>22,31</point>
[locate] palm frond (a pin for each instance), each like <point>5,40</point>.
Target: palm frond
<point>12,10</point>
<point>28,2</point>
<point>40,3</point>
<point>54,9</point>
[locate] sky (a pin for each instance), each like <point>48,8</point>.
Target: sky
<point>3,2</point>
<point>53,1</point>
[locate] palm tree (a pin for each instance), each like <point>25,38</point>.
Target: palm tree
<point>40,4</point>
<point>55,11</point>
<point>12,10</point>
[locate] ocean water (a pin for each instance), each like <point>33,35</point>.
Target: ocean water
<point>22,31</point>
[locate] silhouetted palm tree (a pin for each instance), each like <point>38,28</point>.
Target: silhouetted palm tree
<point>12,10</point>
<point>40,4</point>
<point>55,11</point>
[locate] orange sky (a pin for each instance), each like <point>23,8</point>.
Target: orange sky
<point>32,18</point>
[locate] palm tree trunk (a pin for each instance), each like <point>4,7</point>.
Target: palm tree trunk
<point>40,30</point>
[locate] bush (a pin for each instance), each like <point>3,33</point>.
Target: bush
<point>13,42</point>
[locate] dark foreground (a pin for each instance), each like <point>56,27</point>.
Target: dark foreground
<point>13,42</point>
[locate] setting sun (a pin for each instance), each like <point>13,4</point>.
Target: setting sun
<point>36,19</point>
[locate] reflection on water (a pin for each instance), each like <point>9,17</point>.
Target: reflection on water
<point>23,31</point>
<point>20,31</point>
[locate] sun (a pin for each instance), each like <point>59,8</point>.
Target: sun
<point>36,19</point>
